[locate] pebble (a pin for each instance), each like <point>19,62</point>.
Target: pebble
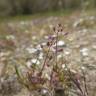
<point>46,37</point>
<point>34,37</point>
<point>26,31</point>
<point>84,51</point>
<point>32,61</point>
<point>67,53</point>
<point>78,22</point>
<point>60,43</point>
<point>2,54</point>
<point>59,56</point>
<point>31,50</point>
<point>44,91</point>
<point>94,46</point>
<point>63,66</point>
<point>38,47</point>
<point>12,37</point>
<point>83,68</point>
<point>22,22</point>
<point>35,61</point>
<point>47,76</point>
<point>44,44</point>
<point>73,71</point>
<point>28,64</point>
<point>41,56</point>
<point>50,26</point>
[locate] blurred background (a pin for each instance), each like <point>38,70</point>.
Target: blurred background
<point>25,7</point>
<point>27,24</point>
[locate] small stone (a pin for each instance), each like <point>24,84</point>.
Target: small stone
<point>31,50</point>
<point>71,39</point>
<point>59,56</point>
<point>46,37</point>
<point>26,31</point>
<point>92,18</point>
<point>8,37</point>
<point>38,47</point>
<point>22,22</point>
<point>2,80</point>
<point>94,46</point>
<point>50,26</point>
<point>84,30</point>
<point>2,54</point>
<point>44,44</point>
<point>47,76</point>
<point>34,37</point>
<point>44,91</point>
<point>77,46</point>
<point>78,22</point>
<point>60,43</point>
<point>28,64</point>
<point>63,66</point>
<point>41,56</point>
<point>83,68</point>
<point>32,61</point>
<point>35,61</point>
<point>85,54</point>
<point>94,36</point>
<point>73,71</point>
<point>84,51</point>
<point>67,53</point>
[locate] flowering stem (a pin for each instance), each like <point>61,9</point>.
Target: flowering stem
<point>56,48</point>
